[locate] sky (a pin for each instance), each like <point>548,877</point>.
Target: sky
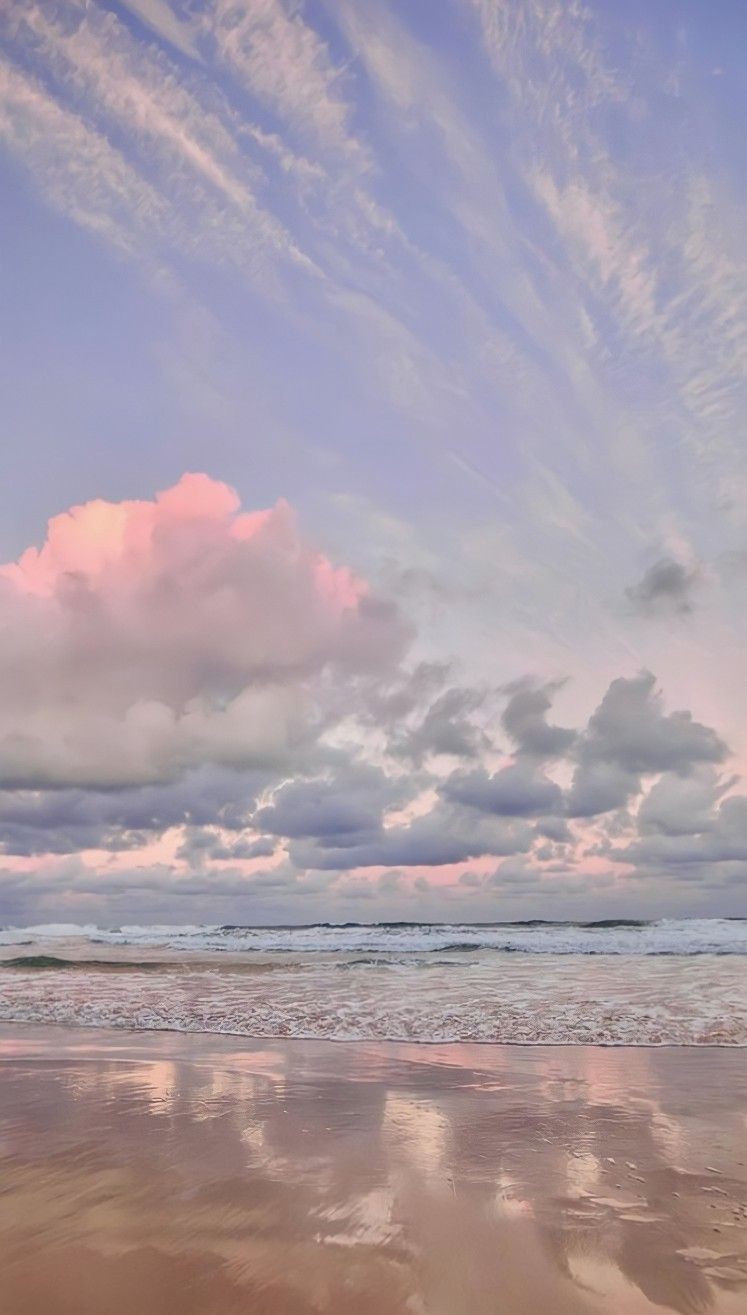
<point>374,533</point>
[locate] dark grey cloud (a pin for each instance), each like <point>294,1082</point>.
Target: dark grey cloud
<point>334,814</point>
<point>600,787</point>
<point>520,790</point>
<point>666,587</point>
<point>201,844</point>
<point>350,804</point>
<point>67,820</point>
<point>683,805</point>
<point>630,736</point>
<point>525,720</point>
<point>630,728</point>
<point>391,699</point>
<point>448,728</point>
<point>447,834</point>
<point>424,714</point>
<point>554,828</point>
<point>723,840</point>
<point>264,847</point>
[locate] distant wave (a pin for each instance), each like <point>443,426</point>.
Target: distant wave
<point>47,961</point>
<point>617,936</point>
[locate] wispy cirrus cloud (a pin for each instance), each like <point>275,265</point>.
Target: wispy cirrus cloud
<point>180,145</point>
<point>159,17</point>
<point>78,170</point>
<point>631,224</point>
<point>285,62</point>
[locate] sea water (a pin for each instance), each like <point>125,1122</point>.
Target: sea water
<point>668,982</point>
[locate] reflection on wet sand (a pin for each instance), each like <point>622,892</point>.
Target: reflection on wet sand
<point>196,1174</point>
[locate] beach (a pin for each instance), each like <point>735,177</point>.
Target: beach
<point>203,1175</point>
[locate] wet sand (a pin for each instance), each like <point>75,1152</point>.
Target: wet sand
<point>199,1175</point>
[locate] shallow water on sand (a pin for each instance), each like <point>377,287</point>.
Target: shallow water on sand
<point>206,1176</point>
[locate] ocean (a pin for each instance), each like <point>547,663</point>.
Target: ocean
<point>666,982</point>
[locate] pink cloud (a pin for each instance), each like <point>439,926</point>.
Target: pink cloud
<point>146,636</point>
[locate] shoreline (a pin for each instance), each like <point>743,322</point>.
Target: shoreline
<point>288,1038</point>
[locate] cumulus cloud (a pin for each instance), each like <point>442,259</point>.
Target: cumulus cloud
<point>201,844</point>
<point>448,728</point>
<point>146,638</point>
<point>665,588</point>
<point>721,839</point>
<point>65,820</point>
<point>337,809</point>
<point>555,829</point>
<point>519,790</point>
<point>195,700</point>
<point>630,736</point>
<point>682,806</point>
<point>445,835</point>
<point>525,720</point>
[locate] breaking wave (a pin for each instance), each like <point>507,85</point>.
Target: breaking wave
<point>668,936</point>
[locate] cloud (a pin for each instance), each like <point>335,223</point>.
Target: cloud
<point>631,729</point>
<point>201,844</point>
<point>525,720</point>
<point>339,810</point>
<point>630,736</point>
<point>683,805</point>
<point>637,218</point>
<point>721,839</point>
<point>151,893</point>
<point>516,791</point>
<point>666,587</point>
<point>189,690</point>
<point>286,65</point>
<point>161,19</point>
<point>448,728</point>
<point>176,139</point>
<point>445,835</point>
<point>80,173</point>
<point>146,638</point>
<point>65,820</point>
<point>555,829</point>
